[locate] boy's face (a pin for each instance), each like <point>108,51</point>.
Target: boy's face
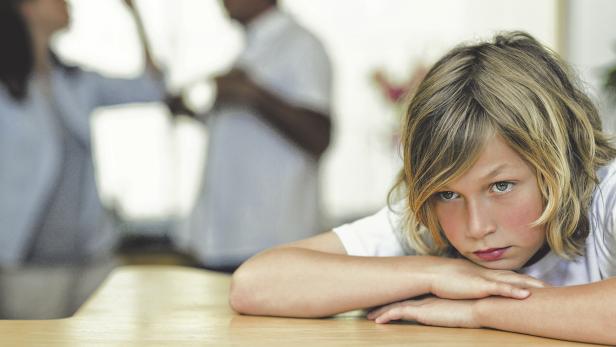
<point>486,213</point>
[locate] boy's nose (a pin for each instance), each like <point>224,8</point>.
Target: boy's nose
<point>480,221</point>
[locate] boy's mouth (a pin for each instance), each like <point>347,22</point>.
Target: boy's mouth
<point>491,254</point>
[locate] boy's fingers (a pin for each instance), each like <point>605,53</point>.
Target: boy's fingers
<point>519,280</point>
<point>508,290</point>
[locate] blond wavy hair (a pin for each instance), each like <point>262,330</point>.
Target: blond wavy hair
<point>516,88</point>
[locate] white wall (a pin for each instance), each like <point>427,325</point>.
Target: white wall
<point>591,48</point>
<point>151,169</point>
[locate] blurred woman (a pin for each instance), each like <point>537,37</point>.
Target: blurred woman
<point>53,223</point>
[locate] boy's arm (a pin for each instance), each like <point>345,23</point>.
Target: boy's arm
<point>301,281</point>
<point>585,313</point>
<point>315,278</point>
<point>580,313</point>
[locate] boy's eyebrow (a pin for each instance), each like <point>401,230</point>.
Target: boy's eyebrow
<point>497,170</point>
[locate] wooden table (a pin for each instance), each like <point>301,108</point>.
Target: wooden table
<point>176,306</point>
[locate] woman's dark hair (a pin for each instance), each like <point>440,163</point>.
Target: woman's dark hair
<point>17,57</point>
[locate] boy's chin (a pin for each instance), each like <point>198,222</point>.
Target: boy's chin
<point>501,264</point>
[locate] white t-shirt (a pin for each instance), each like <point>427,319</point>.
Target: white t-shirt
<point>382,235</point>
<point>260,189</point>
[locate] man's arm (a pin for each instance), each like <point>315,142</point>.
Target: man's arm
<point>309,129</point>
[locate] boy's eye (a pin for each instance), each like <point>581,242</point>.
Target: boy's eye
<point>502,187</point>
<point>447,195</point>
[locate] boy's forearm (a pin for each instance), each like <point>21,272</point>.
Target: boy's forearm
<point>579,313</point>
<point>304,283</point>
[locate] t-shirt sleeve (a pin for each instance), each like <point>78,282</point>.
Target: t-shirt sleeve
<point>303,77</point>
<point>376,235</point>
<point>603,220</point>
<point>313,79</point>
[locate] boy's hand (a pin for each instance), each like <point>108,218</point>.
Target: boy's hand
<point>429,311</point>
<point>462,279</point>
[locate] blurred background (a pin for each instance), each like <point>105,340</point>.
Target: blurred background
<point>155,179</point>
<point>152,182</point>
<point>376,47</point>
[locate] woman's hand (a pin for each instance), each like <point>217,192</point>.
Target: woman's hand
<point>430,311</point>
<point>130,4</point>
<point>462,279</point>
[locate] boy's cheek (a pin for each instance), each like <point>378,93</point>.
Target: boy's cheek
<point>518,220</point>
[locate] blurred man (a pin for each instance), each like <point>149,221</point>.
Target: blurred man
<point>268,129</point>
